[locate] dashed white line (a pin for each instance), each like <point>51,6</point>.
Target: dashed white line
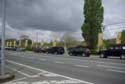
<point>37,69</point>
<point>43,59</point>
<point>99,62</point>
<point>83,66</point>
<point>59,62</point>
<point>110,66</point>
<point>20,72</point>
<point>119,71</point>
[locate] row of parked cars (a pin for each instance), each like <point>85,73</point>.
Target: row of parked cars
<point>51,50</point>
<point>72,51</point>
<point>116,50</point>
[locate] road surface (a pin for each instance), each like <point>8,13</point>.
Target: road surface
<point>60,69</point>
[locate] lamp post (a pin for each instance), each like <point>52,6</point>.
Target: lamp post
<point>65,48</point>
<point>3,39</point>
<point>4,76</point>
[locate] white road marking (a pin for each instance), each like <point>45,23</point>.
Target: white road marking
<point>20,72</point>
<point>43,59</point>
<point>82,60</point>
<point>18,79</point>
<point>82,66</point>
<point>59,62</point>
<point>37,69</point>
<point>46,82</point>
<point>119,71</point>
<point>110,66</point>
<point>48,74</point>
<point>99,62</point>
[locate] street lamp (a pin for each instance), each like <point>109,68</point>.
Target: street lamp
<point>65,48</point>
<point>3,75</point>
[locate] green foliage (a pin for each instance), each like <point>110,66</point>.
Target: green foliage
<point>93,13</point>
<point>94,51</point>
<point>29,49</point>
<point>123,37</point>
<point>69,40</point>
<point>109,42</point>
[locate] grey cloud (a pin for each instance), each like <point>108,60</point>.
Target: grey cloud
<point>57,15</point>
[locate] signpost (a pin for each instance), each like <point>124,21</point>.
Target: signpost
<point>3,39</point>
<point>4,76</point>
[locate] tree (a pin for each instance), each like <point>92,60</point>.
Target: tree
<point>93,13</point>
<point>123,37</point>
<point>69,40</point>
<point>24,37</point>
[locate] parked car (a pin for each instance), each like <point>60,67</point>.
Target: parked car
<point>79,51</point>
<point>44,50</point>
<point>117,50</point>
<point>37,50</point>
<point>55,50</point>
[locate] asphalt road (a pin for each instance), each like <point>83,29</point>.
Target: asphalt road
<point>29,66</point>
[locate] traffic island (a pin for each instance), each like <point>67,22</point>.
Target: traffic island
<point>7,77</point>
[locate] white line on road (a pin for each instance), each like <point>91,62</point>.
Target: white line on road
<point>20,72</point>
<point>99,62</point>
<point>110,66</point>
<point>79,60</point>
<point>17,80</point>
<point>43,59</point>
<point>83,66</point>
<point>59,62</point>
<point>37,69</point>
<point>119,71</point>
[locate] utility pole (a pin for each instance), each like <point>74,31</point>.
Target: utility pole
<point>4,76</point>
<point>37,39</point>
<point>3,39</point>
<point>65,48</point>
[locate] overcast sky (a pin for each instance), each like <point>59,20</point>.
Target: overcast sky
<point>59,16</point>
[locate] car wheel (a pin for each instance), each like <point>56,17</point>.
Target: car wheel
<point>83,54</point>
<point>122,57</point>
<point>101,55</point>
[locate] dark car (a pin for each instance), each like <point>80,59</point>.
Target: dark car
<point>117,50</point>
<point>37,50</point>
<point>43,50</point>
<point>78,51</point>
<point>55,50</point>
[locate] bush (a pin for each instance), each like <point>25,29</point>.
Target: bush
<point>29,49</point>
<point>94,51</point>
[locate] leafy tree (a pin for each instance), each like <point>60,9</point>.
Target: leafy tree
<point>93,13</point>
<point>69,40</point>
<point>123,37</point>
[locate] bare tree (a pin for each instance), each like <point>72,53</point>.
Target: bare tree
<point>69,39</point>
